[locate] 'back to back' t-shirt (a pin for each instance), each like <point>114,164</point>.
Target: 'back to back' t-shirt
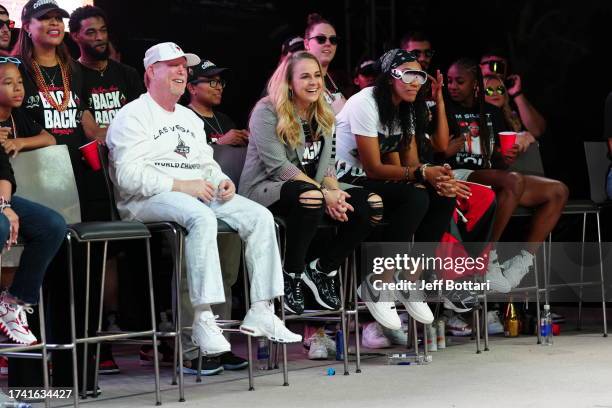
<point>106,91</point>
<point>465,121</point>
<point>360,117</point>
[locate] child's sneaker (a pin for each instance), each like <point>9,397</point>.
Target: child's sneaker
<point>14,323</point>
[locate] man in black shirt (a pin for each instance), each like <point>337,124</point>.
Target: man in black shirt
<point>205,87</point>
<point>6,25</point>
<point>107,84</point>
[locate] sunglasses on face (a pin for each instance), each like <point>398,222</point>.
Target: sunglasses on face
<point>213,83</point>
<point>427,53</point>
<point>321,39</point>
<point>499,67</point>
<point>410,75</point>
<point>9,23</point>
<point>500,90</point>
<point>4,60</point>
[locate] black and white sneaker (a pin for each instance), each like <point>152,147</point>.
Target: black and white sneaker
<point>294,298</point>
<point>460,301</point>
<point>210,366</point>
<point>322,285</point>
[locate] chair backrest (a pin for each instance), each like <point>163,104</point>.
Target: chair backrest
<point>45,176</point>
<point>231,159</point>
<point>597,166</point>
<point>529,162</point>
<point>103,154</point>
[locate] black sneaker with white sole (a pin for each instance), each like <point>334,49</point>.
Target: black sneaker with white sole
<point>461,301</point>
<point>210,366</point>
<point>322,285</point>
<point>294,298</point>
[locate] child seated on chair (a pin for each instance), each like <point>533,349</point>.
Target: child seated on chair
<point>41,228</point>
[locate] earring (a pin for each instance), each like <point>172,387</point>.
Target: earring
<point>290,93</point>
<point>29,34</point>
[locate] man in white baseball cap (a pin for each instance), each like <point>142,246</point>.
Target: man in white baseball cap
<point>164,170</point>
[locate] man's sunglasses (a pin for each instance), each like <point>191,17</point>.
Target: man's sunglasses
<point>410,75</point>
<point>500,90</point>
<point>321,39</point>
<point>9,23</point>
<point>428,53</point>
<point>497,66</point>
<point>212,82</point>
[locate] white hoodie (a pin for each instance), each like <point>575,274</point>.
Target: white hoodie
<point>150,147</point>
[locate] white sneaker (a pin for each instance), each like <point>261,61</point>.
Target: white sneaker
<point>497,281</point>
<point>318,349</point>
<point>456,326</point>
<point>414,302</point>
<point>208,336</point>
<point>14,323</point>
<point>517,267</point>
<point>382,311</point>
<point>494,323</point>
<point>266,324</point>
<point>399,337</point>
<point>372,337</point>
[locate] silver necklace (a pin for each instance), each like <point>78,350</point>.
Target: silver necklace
<point>51,79</point>
<point>217,129</point>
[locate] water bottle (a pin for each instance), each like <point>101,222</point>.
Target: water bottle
<point>546,327</point>
<point>262,354</point>
<point>339,345</point>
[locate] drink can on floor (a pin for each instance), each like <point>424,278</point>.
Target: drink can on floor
<point>339,345</point>
<point>432,337</point>
<point>441,337</point>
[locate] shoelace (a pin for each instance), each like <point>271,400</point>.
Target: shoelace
<point>211,323</point>
<point>297,289</point>
<point>21,312</point>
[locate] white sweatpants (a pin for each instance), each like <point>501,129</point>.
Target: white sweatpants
<point>254,224</point>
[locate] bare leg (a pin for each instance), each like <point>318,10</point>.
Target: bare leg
<point>549,196</point>
<point>509,188</point>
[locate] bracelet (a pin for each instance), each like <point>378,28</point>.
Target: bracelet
<point>407,173</point>
<point>422,177</point>
<point>4,203</point>
<point>516,94</point>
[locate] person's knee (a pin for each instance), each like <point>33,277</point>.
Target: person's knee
<point>559,193</point>
<point>203,217</point>
<point>56,226</point>
<point>311,199</point>
<point>376,208</point>
<point>514,183</point>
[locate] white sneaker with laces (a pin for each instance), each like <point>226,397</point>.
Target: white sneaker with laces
<point>497,281</point>
<point>14,323</point>
<point>414,302</point>
<point>372,337</point>
<point>399,337</point>
<point>456,326</point>
<point>494,323</point>
<point>517,267</point>
<point>318,349</point>
<point>208,336</point>
<point>382,310</point>
<point>264,323</point>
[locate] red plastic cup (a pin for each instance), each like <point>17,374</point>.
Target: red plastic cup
<point>556,329</point>
<point>506,141</point>
<point>90,154</point>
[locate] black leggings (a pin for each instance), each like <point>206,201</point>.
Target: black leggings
<point>302,217</point>
<point>410,210</point>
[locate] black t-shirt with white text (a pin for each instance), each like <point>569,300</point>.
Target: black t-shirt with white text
<point>465,121</point>
<point>106,91</point>
<point>312,151</point>
<point>216,126</point>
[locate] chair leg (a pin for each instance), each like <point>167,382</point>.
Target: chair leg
<point>343,322</point>
<point>75,375</point>
<point>476,315</point>
<point>247,305</point>
<point>100,315</point>
<point>601,272</point>
<point>199,367</point>
<point>485,323</point>
<point>356,305</point>
<point>86,324</point>
<point>43,339</point>
<point>537,291</point>
<point>179,322</point>
<point>284,347</point>
<point>153,321</point>
<point>579,323</point>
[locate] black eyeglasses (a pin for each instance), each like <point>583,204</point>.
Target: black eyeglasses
<point>9,23</point>
<point>490,91</point>
<point>321,39</point>
<point>428,53</point>
<point>212,82</point>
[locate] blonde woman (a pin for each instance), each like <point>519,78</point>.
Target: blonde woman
<point>290,169</point>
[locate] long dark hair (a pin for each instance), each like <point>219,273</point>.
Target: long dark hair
<point>473,68</point>
<point>24,48</point>
<point>390,115</point>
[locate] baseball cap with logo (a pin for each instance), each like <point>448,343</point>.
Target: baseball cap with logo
<point>38,8</point>
<point>205,69</point>
<point>168,51</point>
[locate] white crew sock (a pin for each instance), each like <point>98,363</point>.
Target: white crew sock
<point>262,306</point>
<point>202,311</point>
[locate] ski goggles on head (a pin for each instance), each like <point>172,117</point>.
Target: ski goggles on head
<point>500,90</point>
<point>408,76</point>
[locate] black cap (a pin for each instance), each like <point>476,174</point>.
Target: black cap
<point>204,69</point>
<point>3,10</point>
<point>292,44</point>
<point>38,8</point>
<point>367,68</point>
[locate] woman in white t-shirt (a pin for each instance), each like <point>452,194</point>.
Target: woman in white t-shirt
<point>381,133</point>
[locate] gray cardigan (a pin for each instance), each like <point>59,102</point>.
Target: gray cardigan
<point>270,163</point>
